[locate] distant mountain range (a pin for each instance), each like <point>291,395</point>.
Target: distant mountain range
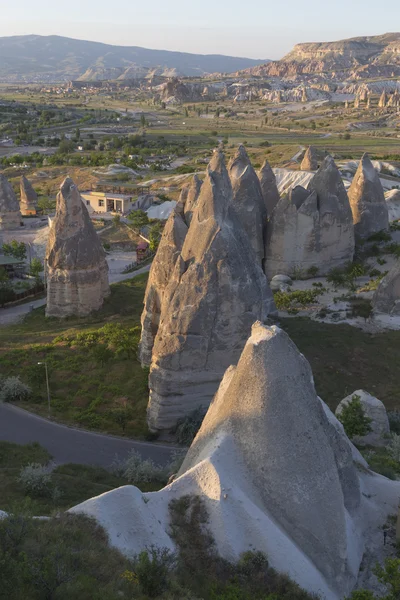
<point>358,58</point>
<point>35,58</point>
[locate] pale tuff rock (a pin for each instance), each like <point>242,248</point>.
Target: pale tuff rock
<point>383,100</point>
<point>248,201</point>
<point>268,187</point>
<point>10,216</point>
<point>375,410</point>
<point>387,297</point>
<point>276,473</point>
<point>357,102</point>
<point>367,201</point>
<point>28,202</point>
<point>160,274</point>
<point>392,199</point>
<point>216,292</point>
<point>310,160</point>
<point>77,276</point>
<point>192,196</point>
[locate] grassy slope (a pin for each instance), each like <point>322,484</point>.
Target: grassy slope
<point>83,391</point>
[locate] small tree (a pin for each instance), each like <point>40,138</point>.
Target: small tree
<point>15,249</point>
<point>155,236</point>
<point>116,220</point>
<point>353,418</point>
<point>35,269</point>
<point>138,218</point>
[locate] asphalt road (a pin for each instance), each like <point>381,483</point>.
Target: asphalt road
<point>69,445</point>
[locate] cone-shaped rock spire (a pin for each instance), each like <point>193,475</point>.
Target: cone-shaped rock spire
<point>169,249</point>
<point>310,160</point>
<point>268,187</point>
<point>77,278</point>
<point>28,202</point>
<point>248,201</point>
<point>193,192</point>
<point>367,201</point>
<point>10,216</point>
<point>216,292</point>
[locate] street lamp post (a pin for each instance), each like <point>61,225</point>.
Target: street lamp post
<point>47,384</point>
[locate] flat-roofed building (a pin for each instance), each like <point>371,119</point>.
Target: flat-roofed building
<point>103,202</point>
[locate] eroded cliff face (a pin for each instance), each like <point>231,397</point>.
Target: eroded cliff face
<point>77,270</point>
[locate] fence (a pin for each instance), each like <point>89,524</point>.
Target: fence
<point>9,296</point>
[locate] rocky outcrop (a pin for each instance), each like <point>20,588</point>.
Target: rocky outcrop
<point>387,297</point>
<point>216,292</point>
<point>311,228</point>
<point>269,188</point>
<point>77,270</point>
<point>374,410</point>
<point>10,216</point>
<point>28,202</point>
<point>367,201</point>
<point>383,100</point>
<point>310,160</point>
<point>248,201</point>
<point>161,271</point>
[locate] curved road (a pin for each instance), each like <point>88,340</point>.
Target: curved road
<point>69,445</point>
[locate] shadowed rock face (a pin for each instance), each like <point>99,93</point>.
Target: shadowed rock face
<point>310,160</point>
<point>161,271</point>
<point>28,201</point>
<point>387,297</point>
<point>248,201</point>
<point>268,187</point>
<point>216,292</point>
<point>77,279</point>
<point>367,201</point>
<point>268,415</point>
<point>10,216</point>
<point>192,196</point>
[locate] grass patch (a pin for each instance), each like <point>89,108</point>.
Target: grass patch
<point>90,384</point>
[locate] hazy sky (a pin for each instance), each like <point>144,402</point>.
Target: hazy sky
<point>253,28</point>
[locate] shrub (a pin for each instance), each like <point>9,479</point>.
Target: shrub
<point>285,300</point>
<point>137,470</point>
<point>187,427</point>
<point>394,447</point>
<point>394,421</point>
<point>380,236</point>
<point>152,568</point>
<point>312,271</point>
<point>360,307</point>
<point>35,479</point>
<point>13,389</point>
<point>353,418</point>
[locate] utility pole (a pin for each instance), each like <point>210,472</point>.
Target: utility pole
<point>48,387</point>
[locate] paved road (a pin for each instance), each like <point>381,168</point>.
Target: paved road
<point>13,314</point>
<point>67,444</point>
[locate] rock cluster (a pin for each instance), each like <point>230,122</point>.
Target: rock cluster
<point>10,216</point>
<point>386,299</point>
<point>247,201</point>
<point>28,202</point>
<point>216,291</point>
<point>77,270</point>
<point>383,100</point>
<point>367,201</point>
<point>373,409</point>
<point>310,160</point>
<point>268,187</point>
<point>311,228</point>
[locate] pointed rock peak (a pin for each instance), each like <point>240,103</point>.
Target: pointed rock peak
<point>266,170</point>
<point>28,197</point>
<point>269,188</point>
<point>310,160</point>
<point>193,193</point>
<point>216,190</point>
<point>298,195</point>
<point>239,162</point>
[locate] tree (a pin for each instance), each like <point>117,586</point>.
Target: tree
<point>15,249</point>
<point>138,218</point>
<point>35,269</point>
<point>122,416</point>
<point>353,418</point>
<point>116,220</point>
<point>6,292</point>
<point>155,236</point>
<point>143,120</point>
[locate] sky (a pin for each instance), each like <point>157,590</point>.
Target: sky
<point>252,28</point>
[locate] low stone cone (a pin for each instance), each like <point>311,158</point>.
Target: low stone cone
<point>310,160</point>
<point>10,215</point>
<point>386,299</point>
<point>367,201</point>
<point>28,202</point>
<point>77,270</point>
<point>268,187</point>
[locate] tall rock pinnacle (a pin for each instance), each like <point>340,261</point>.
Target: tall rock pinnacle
<point>367,201</point>
<point>268,187</point>
<point>310,160</point>
<point>10,216</point>
<point>29,198</point>
<point>77,279</point>
<point>216,292</point>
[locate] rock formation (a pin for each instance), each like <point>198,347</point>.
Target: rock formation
<point>191,197</point>
<point>216,292</point>
<point>375,410</point>
<point>268,187</point>
<point>367,201</point>
<point>77,270</point>
<point>310,160</point>
<point>276,474</point>
<point>28,202</point>
<point>248,201</point>
<point>387,297</point>
<point>311,228</point>
<point>383,100</point>
<point>161,271</point>
<point>10,216</point>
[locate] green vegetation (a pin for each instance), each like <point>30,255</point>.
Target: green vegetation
<point>15,249</point>
<point>353,418</point>
<point>297,298</point>
<point>389,576</point>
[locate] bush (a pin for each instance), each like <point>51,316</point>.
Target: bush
<point>187,427</point>
<point>380,236</point>
<point>394,421</point>
<point>394,447</point>
<point>312,271</point>
<point>285,300</point>
<point>152,568</point>
<point>35,479</point>
<point>13,389</point>
<point>360,307</point>
<point>137,470</point>
<point>353,418</point>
